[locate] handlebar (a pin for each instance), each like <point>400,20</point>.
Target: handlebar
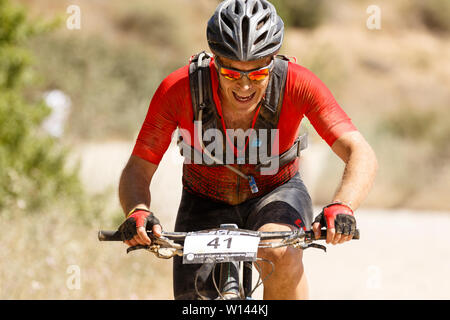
<point>108,235</point>
<point>168,245</point>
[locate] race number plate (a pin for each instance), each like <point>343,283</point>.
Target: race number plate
<point>220,245</point>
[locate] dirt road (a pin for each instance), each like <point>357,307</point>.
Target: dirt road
<point>401,255</point>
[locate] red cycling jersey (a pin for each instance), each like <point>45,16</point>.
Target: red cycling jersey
<point>171,107</point>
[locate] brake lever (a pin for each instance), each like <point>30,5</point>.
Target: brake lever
<point>138,247</point>
<point>162,247</point>
<point>305,241</point>
<point>315,245</point>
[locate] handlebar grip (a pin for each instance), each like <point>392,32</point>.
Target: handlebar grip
<point>106,235</point>
<point>323,234</point>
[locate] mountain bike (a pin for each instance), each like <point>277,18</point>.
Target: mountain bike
<point>234,250</point>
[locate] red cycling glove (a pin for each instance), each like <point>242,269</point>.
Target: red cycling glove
<point>137,218</point>
<point>338,216</point>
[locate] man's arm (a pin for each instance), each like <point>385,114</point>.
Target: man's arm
<point>134,186</point>
<point>360,169</point>
<point>359,174</point>
<point>134,192</point>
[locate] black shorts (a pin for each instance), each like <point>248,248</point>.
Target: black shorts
<point>288,204</point>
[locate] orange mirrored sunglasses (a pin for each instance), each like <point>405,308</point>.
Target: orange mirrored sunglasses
<point>254,75</point>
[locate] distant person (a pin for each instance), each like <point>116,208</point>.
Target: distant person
<point>245,85</point>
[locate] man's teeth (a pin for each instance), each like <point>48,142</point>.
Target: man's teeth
<point>243,99</point>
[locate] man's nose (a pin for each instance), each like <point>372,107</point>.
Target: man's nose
<point>245,83</point>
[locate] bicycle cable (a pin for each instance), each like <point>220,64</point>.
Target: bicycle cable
<point>260,280</point>
<point>215,283</point>
<point>196,288</point>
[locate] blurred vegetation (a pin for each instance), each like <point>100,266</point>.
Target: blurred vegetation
<point>425,128</point>
<point>33,170</point>
<point>142,22</point>
<point>306,14</point>
<point>112,81</point>
<point>38,250</point>
<point>112,78</point>
<point>412,148</point>
<point>108,83</point>
<point>434,14</point>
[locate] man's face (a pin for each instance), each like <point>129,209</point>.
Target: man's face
<point>242,94</point>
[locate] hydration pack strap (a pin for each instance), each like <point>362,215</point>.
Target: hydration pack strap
<point>201,91</point>
<point>300,144</point>
<point>273,99</point>
<point>203,97</point>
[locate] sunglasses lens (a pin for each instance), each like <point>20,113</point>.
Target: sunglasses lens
<point>259,75</point>
<point>230,74</point>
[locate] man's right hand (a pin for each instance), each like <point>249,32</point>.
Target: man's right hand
<point>134,228</point>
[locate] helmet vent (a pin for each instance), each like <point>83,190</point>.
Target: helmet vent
<point>229,39</point>
<point>227,21</point>
<point>277,32</point>
<point>237,8</point>
<point>267,48</point>
<point>261,38</point>
<point>264,5</point>
<point>245,31</point>
<point>255,8</point>
<point>263,21</point>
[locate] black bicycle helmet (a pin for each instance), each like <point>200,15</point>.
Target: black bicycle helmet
<point>245,30</point>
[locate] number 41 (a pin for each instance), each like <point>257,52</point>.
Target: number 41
<point>215,243</point>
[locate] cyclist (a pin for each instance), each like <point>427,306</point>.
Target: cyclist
<point>245,85</point>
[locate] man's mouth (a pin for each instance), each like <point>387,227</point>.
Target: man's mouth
<point>244,99</point>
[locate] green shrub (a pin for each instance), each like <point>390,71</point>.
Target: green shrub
<point>32,166</point>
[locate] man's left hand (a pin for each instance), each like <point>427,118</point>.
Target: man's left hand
<point>339,221</point>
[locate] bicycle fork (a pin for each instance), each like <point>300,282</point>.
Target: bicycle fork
<point>229,284</point>
<point>229,280</point>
